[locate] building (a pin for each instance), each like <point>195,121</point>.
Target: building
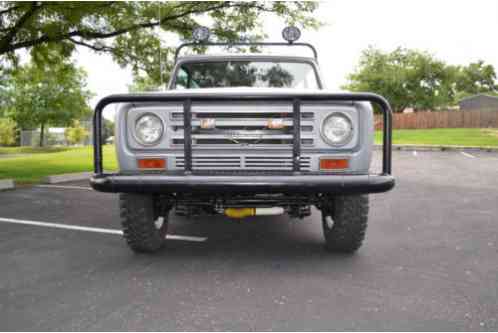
<point>479,102</point>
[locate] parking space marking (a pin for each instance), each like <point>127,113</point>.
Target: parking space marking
<point>467,154</point>
<point>92,229</point>
<point>69,187</point>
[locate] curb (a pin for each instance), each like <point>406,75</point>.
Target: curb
<point>7,184</point>
<point>439,148</point>
<point>67,177</point>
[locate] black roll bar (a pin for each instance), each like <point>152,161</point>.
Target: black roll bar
<point>295,99</point>
<point>177,52</point>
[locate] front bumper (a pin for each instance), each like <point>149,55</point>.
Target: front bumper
<point>293,183</point>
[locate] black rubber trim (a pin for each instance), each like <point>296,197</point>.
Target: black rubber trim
<point>296,137</point>
<point>164,183</point>
<point>187,134</point>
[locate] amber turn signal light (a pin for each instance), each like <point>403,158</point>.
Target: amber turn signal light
<point>333,164</point>
<point>151,163</point>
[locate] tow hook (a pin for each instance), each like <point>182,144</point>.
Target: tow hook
<point>239,213</point>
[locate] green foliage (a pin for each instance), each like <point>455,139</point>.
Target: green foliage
<point>41,95</point>
<point>134,31</point>
<point>7,132</point>
<point>411,78</point>
<point>76,133</point>
<point>143,84</point>
<point>476,78</point>
<point>407,78</point>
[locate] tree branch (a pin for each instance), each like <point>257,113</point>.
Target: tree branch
<point>145,25</point>
<point>10,9</point>
<point>5,41</point>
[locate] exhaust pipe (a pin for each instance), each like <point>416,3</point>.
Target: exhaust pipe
<point>239,213</point>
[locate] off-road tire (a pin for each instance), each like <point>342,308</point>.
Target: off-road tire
<point>350,217</point>
<point>138,215</point>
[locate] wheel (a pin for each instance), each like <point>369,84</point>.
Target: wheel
<point>143,228</point>
<point>344,221</point>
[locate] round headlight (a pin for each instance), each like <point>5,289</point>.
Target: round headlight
<point>148,129</point>
<point>337,129</point>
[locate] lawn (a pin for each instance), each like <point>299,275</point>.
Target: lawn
<point>31,150</point>
<point>474,137</point>
<point>32,168</point>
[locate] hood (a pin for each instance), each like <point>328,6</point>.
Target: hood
<point>240,91</point>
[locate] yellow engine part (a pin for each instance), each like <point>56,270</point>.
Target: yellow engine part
<point>239,213</point>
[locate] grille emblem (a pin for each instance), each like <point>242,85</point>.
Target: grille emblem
<point>275,123</point>
<point>208,123</point>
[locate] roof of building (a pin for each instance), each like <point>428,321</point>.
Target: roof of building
<point>479,95</point>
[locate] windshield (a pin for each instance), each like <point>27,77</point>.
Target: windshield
<point>256,74</point>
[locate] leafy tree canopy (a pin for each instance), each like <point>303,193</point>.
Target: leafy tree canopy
<point>411,78</point>
<point>42,95</point>
<point>407,78</point>
<point>126,29</point>
<point>476,78</point>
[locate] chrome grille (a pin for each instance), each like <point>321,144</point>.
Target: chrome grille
<point>242,125</point>
<point>244,162</point>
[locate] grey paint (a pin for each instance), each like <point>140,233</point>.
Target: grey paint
<point>358,150</point>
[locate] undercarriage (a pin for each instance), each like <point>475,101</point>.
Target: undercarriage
<point>240,206</point>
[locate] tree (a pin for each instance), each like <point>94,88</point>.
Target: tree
<point>107,130</point>
<point>76,133</point>
<point>407,78</point>
<point>127,29</point>
<point>476,78</point>
<point>41,95</point>
<point>7,132</point>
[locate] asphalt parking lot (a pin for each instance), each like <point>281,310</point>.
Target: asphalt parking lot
<point>430,262</point>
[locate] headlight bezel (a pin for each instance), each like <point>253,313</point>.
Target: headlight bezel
<point>347,139</point>
<point>135,132</point>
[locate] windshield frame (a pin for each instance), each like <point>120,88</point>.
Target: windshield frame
<point>204,59</point>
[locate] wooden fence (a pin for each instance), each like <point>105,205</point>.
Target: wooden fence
<point>442,119</point>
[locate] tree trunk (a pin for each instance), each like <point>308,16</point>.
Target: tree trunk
<point>42,130</point>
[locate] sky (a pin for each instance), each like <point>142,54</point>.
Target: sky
<point>458,32</point>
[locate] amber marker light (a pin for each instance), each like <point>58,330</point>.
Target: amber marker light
<point>151,163</point>
<point>333,164</point>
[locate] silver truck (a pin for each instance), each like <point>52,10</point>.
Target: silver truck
<point>244,135</point>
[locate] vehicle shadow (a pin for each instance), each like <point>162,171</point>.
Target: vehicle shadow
<point>277,240</point>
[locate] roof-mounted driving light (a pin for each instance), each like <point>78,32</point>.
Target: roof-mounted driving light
<point>201,34</point>
<point>291,34</point>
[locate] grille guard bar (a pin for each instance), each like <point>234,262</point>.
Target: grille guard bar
<point>295,99</point>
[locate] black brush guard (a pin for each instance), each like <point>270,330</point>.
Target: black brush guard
<point>189,181</point>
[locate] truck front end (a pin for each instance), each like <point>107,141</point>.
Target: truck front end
<point>244,136</point>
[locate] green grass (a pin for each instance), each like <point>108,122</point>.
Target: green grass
<point>32,168</point>
<point>31,150</point>
<point>474,137</point>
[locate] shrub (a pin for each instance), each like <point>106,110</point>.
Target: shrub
<point>7,132</point>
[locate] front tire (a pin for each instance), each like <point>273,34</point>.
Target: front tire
<point>344,221</point>
<point>143,228</point>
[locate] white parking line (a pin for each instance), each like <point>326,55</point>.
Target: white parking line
<point>92,229</point>
<point>467,154</point>
<point>69,187</point>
